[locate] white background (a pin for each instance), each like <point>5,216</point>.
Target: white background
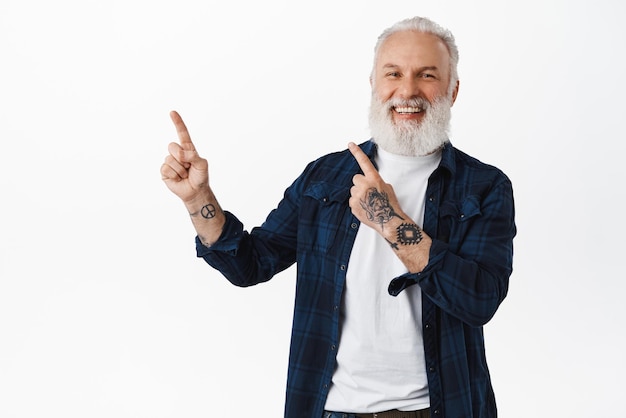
<point>105,311</point>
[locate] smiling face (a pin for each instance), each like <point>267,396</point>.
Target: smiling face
<point>411,93</point>
<point>412,65</point>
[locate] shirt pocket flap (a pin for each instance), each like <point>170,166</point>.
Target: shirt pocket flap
<point>327,192</point>
<point>470,208</point>
<point>462,211</point>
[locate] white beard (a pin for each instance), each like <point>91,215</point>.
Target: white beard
<point>411,138</point>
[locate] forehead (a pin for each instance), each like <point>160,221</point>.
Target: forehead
<point>413,48</point>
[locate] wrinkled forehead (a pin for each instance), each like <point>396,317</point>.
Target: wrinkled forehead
<point>411,47</point>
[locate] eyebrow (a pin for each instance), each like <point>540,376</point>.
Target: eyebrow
<point>426,68</point>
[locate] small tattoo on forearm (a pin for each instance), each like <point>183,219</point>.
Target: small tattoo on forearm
<point>409,234</point>
<point>377,207</point>
<point>208,211</point>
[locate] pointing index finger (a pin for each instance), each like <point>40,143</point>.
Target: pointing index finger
<point>362,159</point>
<point>181,129</point>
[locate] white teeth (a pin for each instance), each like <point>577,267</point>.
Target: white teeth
<point>408,109</point>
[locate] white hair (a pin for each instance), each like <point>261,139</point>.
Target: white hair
<point>423,25</point>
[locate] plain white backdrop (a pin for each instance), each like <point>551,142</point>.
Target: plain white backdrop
<point>105,311</point>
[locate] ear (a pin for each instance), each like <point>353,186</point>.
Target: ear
<point>456,91</point>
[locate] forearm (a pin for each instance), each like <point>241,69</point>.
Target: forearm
<point>207,217</point>
<point>410,243</point>
<point>468,283</point>
<point>246,259</point>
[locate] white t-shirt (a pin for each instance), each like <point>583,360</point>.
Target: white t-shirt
<point>380,359</point>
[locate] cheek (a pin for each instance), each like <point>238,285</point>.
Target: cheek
<point>383,92</point>
<point>435,92</point>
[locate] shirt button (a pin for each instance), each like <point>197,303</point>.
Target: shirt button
<point>354,225</point>
<point>431,368</point>
<point>431,199</point>
<point>336,307</point>
<point>343,267</point>
<point>333,347</point>
<point>436,412</point>
<point>462,215</point>
<point>427,326</point>
<point>325,200</point>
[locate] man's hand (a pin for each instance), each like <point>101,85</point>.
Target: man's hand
<point>375,204</point>
<point>184,172</point>
<point>187,175</point>
<point>372,200</point>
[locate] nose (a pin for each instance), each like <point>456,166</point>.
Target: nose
<point>409,88</point>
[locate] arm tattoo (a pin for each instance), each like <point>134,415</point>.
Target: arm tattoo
<point>377,207</point>
<point>409,234</point>
<point>208,211</point>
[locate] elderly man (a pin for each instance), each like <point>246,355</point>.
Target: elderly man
<point>403,246</point>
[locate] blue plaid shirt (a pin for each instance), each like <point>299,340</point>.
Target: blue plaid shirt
<point>470,216</point>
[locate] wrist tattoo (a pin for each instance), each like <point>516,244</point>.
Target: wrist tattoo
<point>409,234</point>
<point>377,207</point>
<point>207,212</point>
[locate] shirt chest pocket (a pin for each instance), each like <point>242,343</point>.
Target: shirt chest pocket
<point>322,214</point>
<point>455,218</point>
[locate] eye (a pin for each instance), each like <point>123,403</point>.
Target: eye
<point>427,75</point>
<point>393,74</point>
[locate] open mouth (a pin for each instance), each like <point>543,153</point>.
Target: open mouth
<point>407,110</point>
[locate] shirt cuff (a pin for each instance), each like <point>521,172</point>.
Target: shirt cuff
<point>437,252</point>
<point>228,241</point>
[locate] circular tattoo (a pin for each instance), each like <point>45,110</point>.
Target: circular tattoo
<point>208,211</point>
<point>409,234</point>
